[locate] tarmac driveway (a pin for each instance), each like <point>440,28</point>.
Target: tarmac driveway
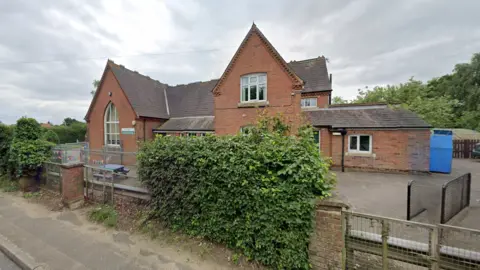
<point>385,194</point>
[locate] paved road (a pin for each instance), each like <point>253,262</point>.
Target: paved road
<point>6,263</point>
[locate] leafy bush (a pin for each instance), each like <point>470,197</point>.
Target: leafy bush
<point>254,192</point>
<point>27,152</point>
<point>27,156</point>
<point>6,135</point>
<point>27,129</point>
<point>51,136</point>
<point>104,214</point>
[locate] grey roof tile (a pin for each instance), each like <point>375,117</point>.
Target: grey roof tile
<point>145,94</point>
<point>196,123</point>
<point>314,73</point>
<point>366,117</point>
<point>194,99</point>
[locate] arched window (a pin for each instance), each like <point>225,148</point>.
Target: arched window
<point>112,130</point>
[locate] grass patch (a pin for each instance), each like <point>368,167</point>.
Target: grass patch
<point>28,195</point>
<point>104,214</point>
<point>7,185</point>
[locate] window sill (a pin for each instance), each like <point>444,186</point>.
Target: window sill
<point>360,154</point>
<point>253,104</point>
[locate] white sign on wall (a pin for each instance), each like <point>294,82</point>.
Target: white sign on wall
<point>128,130</point>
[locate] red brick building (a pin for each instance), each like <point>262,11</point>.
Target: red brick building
<point>129,107</point>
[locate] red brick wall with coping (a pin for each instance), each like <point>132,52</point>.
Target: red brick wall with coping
<point>255,58</point>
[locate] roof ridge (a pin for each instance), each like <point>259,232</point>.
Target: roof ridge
<point>134,71</point>
<point>185,84</point>
<point>305,60</point>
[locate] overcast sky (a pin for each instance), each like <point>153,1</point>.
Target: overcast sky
<point>51,51</point>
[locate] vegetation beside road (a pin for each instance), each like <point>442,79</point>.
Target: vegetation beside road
<point>254,192</point>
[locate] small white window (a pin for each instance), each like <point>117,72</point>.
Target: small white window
<point>253,87</point>
<point>309,102</point>
<point>360,143</point>
<point>112,130</point>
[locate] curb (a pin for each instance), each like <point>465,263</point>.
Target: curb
<point>18,256</point>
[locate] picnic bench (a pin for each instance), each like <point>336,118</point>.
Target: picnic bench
<point>110,171</point>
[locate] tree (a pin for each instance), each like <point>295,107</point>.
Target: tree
<point>95,84</point>
<point>27,151</point>
<point>339,100</point>
<point>69,121</point>
<point>51,136</point>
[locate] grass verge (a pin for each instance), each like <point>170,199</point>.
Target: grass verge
<point>104,214</point>
<point>7,185</point>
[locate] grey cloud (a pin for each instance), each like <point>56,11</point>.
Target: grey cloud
<point>368,42</point>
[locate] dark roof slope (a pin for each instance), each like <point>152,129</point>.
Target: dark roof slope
<point>145,94</point>
<point>194,99</point>
<point>366,117</point>
<point>195,123</point>
<point>314,73</point>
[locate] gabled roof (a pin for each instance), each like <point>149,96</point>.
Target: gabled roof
<point>377,116</point>
<point>146,95</point>
<point>314,73</point>
<point>193,99</point>
<point>297,81</point>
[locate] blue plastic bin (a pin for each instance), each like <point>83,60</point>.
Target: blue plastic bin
<point>441,151</point>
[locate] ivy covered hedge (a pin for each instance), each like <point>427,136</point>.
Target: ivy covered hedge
<point>6,135</point>
<point>254,192</point>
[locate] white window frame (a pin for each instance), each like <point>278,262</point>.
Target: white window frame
<point>250,84</point>
<point>113,120</point>
<point>358,144</point>
<point>304,102</point>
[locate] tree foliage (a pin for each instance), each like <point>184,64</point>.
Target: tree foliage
<point>6,135</point>
<point>51,136</point>
<point>70,121</point>
<point>451,101</point>
<point>27,151</point>
<point>95,85</point>
<point>253,192</point>
<point>339,100</point>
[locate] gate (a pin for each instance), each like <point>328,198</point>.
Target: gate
<point>374,242</point>
<point>455,196</point>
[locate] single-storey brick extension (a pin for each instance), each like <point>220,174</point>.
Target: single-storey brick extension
<point>129,107</point>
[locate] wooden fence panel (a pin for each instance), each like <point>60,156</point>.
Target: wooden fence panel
<point>463,148</point>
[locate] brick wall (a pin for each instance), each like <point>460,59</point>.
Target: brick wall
<point>323,98</point>
<point>326,242</point>
<point>72,182</point>
<point>150,124</point>
<point>392,150</point>
<point>254,58</point>
<point>126,114</point>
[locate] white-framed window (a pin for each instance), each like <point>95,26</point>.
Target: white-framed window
<point>112,129</point>
<point>309,102</point>
<point>253,87</point>
<point>360,143</point>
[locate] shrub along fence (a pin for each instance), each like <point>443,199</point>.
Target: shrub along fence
<point>255,193</point>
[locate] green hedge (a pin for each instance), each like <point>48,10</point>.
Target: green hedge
<point>70,134</point>
<point>6,135</point>
<point>27,150</point>
<point>254,192</point>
